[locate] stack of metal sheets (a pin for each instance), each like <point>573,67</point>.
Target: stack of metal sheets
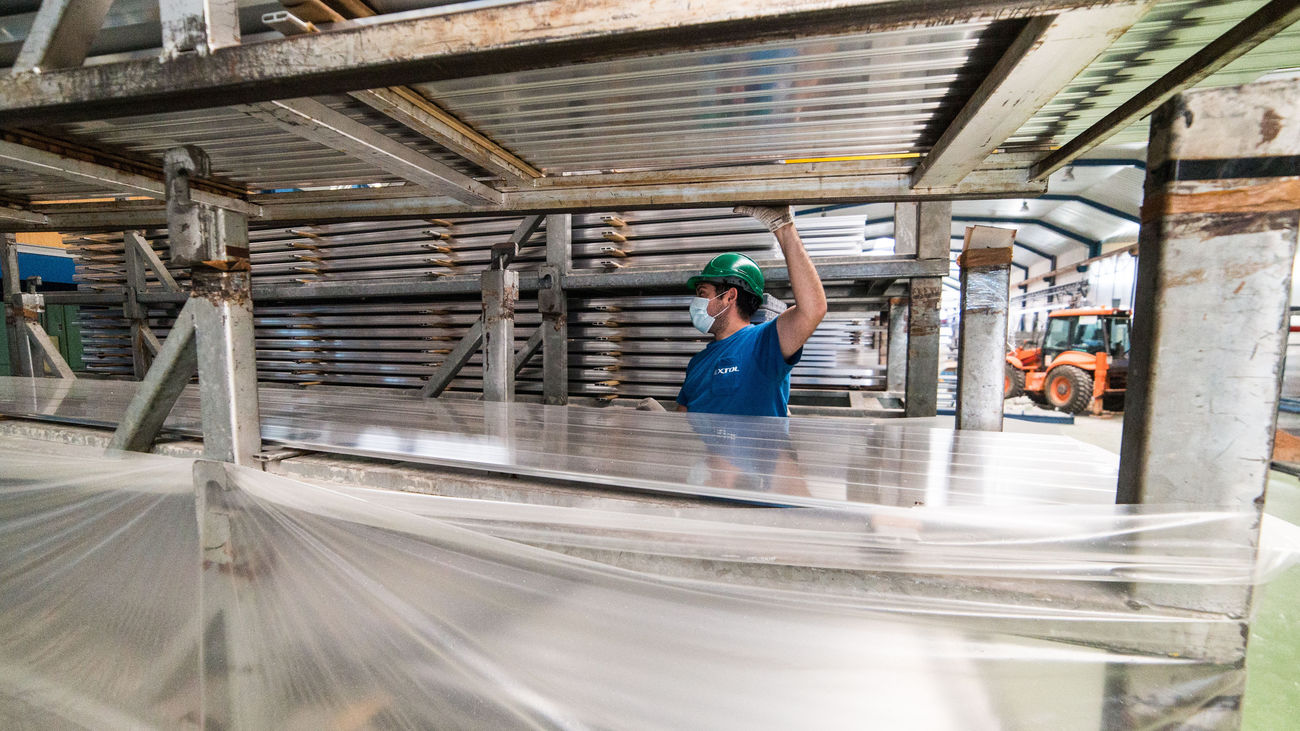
<point>623,343</point>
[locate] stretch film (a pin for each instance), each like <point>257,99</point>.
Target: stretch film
<point>339,607</point>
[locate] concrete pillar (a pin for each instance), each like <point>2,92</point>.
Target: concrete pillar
<point>896,365</point>
<point>1211,310</point>
<point>922,391</point>
<point>982,342</point>
<point>500,293</point>
<point>1209,334</point>
<point>553,303</point>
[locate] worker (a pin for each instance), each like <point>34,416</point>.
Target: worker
<point>746,369</point>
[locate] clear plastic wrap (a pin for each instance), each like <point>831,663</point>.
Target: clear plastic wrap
<point>352,608</point>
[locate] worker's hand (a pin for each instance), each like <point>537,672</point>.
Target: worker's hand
<point>774,217</point>
<point>649,404</point>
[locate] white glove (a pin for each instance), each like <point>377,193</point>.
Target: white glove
<point>774,217</point>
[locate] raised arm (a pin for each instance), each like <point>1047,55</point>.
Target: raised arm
<point>796,324</point>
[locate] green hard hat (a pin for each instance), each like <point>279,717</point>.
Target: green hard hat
<point>732,268</point>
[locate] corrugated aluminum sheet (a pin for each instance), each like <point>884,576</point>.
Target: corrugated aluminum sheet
<point>1171,32</point>
<point>812,97</point>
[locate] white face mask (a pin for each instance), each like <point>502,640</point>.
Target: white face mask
<point>700,316</point>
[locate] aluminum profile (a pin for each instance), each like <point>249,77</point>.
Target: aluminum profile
<point>630,343</point>
<point>877,93</point>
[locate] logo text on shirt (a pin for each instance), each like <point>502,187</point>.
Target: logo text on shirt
<point>726,370</point>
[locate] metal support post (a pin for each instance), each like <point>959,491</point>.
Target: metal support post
<point>12,288</point>
<point>1210,326</point>
<point>223,320</point>
<point>982,344</point>
<point>173,367</point>
<point>232,686</point>
<point>896,363</point>
<point>198,26</point>
<point>923,229</point>
<point>136,313</point>
<point>922,391</point>
<point>553,303</point>
<point>39,347</point>
<point>500,293</point>
<point>214,328</point>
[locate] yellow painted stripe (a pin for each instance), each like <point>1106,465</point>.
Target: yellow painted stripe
<point>850,158</point>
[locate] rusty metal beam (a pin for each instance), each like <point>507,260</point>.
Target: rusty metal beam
<point>413,111</point>
<point>312,120</point>
<point>45,162</point>
<point>1043,59</point>
<point>443,44</point>
<point>798,185</point>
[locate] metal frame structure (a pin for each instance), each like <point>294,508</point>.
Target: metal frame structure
<point>204,63</point>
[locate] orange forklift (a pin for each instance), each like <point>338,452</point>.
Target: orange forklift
<point>1081,365</point>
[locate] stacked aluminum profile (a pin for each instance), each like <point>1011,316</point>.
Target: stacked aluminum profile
<point>622,343</point>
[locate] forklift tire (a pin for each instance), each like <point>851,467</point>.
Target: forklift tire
<point>1068,389</point>
<point>1013,382</point>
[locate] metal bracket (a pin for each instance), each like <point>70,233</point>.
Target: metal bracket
<point>198,232</point>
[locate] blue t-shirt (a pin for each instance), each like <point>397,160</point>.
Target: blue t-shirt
<point>741,374</point>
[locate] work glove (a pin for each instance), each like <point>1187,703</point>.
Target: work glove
<point>649,404</point>
<point>774,217</point>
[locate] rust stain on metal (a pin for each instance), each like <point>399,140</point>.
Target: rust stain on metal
<point>984,258</point>
<point>1270,126</point>
<point>219,287</point>
<point>1282,194</point>
<point>1234,224</point>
